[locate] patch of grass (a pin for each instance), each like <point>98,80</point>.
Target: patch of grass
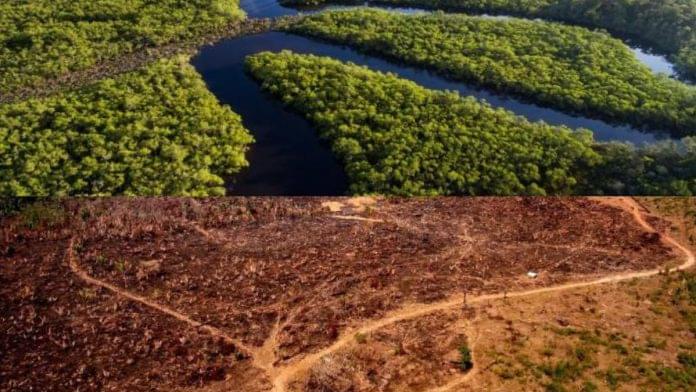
<point>547,351</point>
<point>555,386</point>
<point>687,359</point>
<point>563,370</point>
<point>659,344</point>
<point>120,266</point>
<point>87,294</point>
<point>589,386</point>
<point>615,377</point>
<point>102,261</point>
<point>592,337</point>
<point>566,331</point>
<point>619,348</point>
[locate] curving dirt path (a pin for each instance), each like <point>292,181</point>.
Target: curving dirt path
<point>264,357</point>
<point>416,310</point>
<point>82,274</point>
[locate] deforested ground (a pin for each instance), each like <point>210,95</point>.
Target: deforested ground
<point>320,294</point>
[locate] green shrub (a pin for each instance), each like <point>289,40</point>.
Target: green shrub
<point>465,359</point>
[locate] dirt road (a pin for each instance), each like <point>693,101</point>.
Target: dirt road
<point>412,311</point>
<point>281,375</point>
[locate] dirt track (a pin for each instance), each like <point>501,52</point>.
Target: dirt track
<point>144,301</point>
<point>264,357</point>
<point>413,311</point>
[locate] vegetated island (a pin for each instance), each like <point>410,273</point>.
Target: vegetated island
<point>156,131</point>
<point>666,26</point>
<point>396,137</point>
<point>42,39</point>
<point>566,67</point>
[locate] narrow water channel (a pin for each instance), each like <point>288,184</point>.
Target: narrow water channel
<point>272,8</point>
<point>288,158</point>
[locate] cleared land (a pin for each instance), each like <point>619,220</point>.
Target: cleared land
<point>292,294</point>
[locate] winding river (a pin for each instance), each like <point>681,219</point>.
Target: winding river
<point>288,158</point>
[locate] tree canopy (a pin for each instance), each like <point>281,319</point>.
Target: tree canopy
<point>42,39</point>
<point>668,26</point>
<point>566,67</point>
<point>156,131</point>
<point>396,137</point>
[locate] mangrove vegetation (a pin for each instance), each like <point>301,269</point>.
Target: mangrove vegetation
<point>667,26</point>
<point>566,67</point>
<point>396,137</point>
<point>156,131</point>
<point>42,39</point>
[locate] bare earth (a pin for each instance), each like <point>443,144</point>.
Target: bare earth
<point>297,294</point>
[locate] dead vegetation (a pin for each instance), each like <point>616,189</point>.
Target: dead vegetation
<point>286,278</point>
<point>631,336</point>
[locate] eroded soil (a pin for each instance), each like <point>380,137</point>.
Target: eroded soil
<point>288,293</point>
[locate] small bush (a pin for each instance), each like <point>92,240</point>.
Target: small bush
<point>687,359</point>
<point>465,359</point>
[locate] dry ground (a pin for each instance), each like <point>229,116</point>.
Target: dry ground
<point>322,294</point>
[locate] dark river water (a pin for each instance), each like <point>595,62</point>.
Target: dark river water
<point>288,158</point>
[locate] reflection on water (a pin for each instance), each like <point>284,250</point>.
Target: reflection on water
<point>656,62</point>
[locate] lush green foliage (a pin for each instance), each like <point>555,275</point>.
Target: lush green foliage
<point>396,137</point>
<point>154,131</point>
<point>664,168</point>
<point>665,25</point>
<point>567,67</point>
<point>44,38</point>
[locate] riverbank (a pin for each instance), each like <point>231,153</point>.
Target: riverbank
<point>138,59</point>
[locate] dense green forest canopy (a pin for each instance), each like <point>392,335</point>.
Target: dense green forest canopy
<point>156,131</point>
<point>668,26</point>
<point>567,67</point>
<point>41,39</point>
<point>664,168</point>
<point>396,137</point>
